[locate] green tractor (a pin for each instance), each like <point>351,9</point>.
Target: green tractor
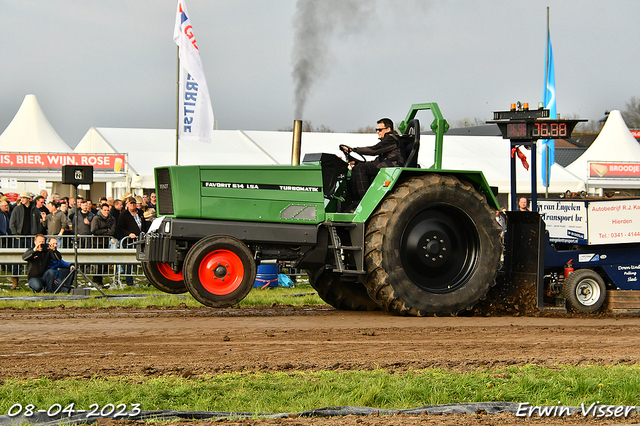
<point>421,241</point>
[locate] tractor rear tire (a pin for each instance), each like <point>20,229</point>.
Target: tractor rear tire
<point>585,291</point>
<point>344,295</point>
<point>431,247</point>
<point>219,271</point>
<point>162,277</point>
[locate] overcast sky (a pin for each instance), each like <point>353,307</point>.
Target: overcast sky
<point>113,63</point>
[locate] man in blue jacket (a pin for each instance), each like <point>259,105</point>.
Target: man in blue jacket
<point>59,267</point>
<point>45,269</point>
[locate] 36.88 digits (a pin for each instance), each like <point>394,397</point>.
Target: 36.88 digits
<point>552,130</point>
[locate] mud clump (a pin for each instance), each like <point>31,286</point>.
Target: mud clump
<point>506,298</point>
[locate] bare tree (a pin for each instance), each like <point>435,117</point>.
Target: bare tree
<point>372,129</point>
<point>631,114</point>
<point>591,126</point>
<point>468,122</point>
<point>586,127</point>
<point>307,126</point>
<point>366,129</point>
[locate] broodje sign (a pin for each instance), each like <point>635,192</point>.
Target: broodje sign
<point>613,170</point>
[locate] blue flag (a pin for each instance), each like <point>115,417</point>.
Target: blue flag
<point>550,104</point>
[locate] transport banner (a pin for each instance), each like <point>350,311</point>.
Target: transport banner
<point>566,221</point>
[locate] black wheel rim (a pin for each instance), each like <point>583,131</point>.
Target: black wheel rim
<point>440,248</point>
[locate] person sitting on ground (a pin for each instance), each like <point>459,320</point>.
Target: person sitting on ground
<point>60,268</point>
<point>43,263</point>
<point>389,153</point>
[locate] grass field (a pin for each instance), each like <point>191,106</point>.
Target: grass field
<point>300,391</point>
<point>302,294</point>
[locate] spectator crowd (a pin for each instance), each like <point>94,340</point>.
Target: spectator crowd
<point>38,215</point>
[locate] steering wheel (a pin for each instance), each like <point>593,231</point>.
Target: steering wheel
<point>348,152</point>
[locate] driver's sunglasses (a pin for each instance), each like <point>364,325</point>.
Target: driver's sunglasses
<point>380,129</point>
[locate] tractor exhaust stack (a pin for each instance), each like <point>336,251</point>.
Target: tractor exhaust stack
<point>297,142</point>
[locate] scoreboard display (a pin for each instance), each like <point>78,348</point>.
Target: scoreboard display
<point>530,125</point>
<point>541,129</point>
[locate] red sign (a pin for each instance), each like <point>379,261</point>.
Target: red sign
<point>606,170</point>
<point>635,133</point>
<point>36,160</point>
<point>12,196</point>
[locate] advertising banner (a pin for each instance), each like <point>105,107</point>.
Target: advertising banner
<point>566,221</point>
<point>613,170</point>
<point>615,221</point>
<point>116,163</point>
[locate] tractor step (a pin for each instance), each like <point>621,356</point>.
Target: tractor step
<point>338,252</point>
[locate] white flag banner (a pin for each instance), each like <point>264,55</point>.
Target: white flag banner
<point>196,115</point>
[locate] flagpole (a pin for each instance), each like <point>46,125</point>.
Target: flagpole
<point>546,67</point>
<point>177,104</point>
<point>546,76</point>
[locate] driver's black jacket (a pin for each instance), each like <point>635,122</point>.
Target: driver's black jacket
<point>389,151</point>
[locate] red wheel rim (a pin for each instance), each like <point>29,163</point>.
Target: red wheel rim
<point>166,271</point>
<point>221,272</point>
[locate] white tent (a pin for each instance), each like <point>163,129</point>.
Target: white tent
<point>30,131</point>
<point>615,143</point>
<point>491,155</point>
<point>149,148</point>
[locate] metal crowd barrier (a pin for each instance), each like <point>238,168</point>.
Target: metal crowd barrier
<point>97,256</point>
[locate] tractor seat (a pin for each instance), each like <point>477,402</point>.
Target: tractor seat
<point>412,143</point>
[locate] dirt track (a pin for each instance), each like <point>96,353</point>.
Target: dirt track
<point>192,341</point>
<point>65,342</point>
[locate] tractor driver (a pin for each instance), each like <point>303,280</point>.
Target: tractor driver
<point>389,154</point>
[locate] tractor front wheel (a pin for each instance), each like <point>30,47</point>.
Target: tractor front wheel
<point>219,271</point>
